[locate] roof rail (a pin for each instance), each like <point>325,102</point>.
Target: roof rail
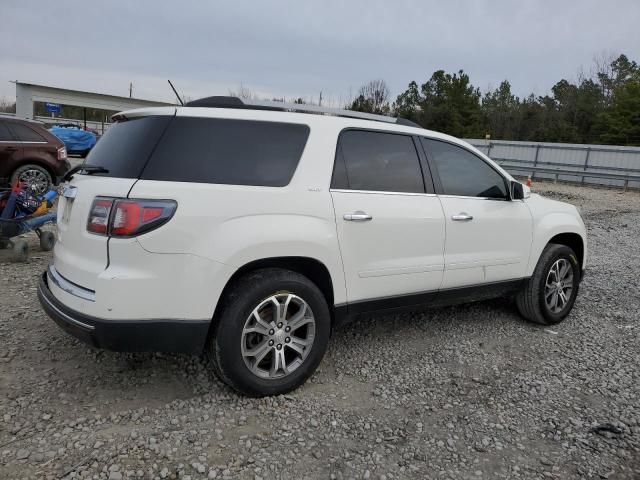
<point>235,102</point>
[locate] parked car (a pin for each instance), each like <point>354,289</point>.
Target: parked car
<point>30,154</point>
<point>251,231</point>
<point>78,141</point>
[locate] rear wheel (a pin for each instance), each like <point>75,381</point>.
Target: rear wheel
<point>271,334</point>
<point>36,178</point>
<point>549,295</point>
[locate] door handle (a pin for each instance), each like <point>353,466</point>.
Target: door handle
<point>462,217</point>
<point>11,149</point>
<point>358,216</point>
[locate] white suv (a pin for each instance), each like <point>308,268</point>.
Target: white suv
<point>249,231</point>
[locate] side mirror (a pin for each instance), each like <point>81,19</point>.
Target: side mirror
<point>519,191</point>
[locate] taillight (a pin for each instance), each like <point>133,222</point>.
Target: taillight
<point>128,218</point>
<point>62,153</point>
<point>98,221</point>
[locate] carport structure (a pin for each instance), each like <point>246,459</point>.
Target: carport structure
<point>27,93</point>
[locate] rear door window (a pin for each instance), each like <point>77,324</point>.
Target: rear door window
<point>26,134</point>
<point>126,146</point>
<point>377,161</point>
<point>225,151</point>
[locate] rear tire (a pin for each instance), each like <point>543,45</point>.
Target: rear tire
<point>284,317</point>
<point>548,296</point>
<point>20,251</point>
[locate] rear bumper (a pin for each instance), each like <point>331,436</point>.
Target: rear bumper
<point>179,336</point>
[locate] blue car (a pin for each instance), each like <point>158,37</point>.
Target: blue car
<point>77,141</point>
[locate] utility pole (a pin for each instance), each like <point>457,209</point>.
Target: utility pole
<point>130,89</point>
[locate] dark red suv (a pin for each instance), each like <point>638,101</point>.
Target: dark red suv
<point>30,154</point>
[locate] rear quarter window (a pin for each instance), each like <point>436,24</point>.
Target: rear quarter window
<point>225,151</point>
<point>126,146</point>
<point>5,134</point>
<point>26,134</point>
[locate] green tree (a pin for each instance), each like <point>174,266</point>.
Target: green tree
<point>620,124</point>
<point>501,112</point>
<point>446,102</point>
<point>373,97</point>
<point>615,75</point>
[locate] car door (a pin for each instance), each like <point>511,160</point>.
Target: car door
<point>488,236</point>
<point>390,225</point>
<point>10,152</point>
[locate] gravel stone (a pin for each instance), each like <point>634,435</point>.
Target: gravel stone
<point>22,454</point>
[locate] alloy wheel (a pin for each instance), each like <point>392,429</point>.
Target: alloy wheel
<point>559,285</point>
<point>278,336</point>
<point>36,181</point>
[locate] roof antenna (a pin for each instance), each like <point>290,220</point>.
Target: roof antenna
<point>174,91</point>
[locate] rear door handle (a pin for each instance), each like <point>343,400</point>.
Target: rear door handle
<point>462,217</point>
<point>358,216</point>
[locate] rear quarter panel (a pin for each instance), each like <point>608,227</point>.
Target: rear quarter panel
<point>235,225</point>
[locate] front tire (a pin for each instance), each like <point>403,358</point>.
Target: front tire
<point>548,296</point>
<point>271,333</point>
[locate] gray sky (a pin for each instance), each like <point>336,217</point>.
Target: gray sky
<point>300,47</point>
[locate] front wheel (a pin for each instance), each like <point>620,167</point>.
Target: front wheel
<point>549,295</point>
<point>271,333</point>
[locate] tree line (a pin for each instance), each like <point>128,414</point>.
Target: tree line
<point>603,107</point>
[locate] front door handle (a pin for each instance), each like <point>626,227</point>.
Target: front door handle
<point>462,217</point>
<point>358,216</point>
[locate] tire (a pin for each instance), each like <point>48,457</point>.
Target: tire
<point>37,178</point>
<point>20,251</point>
<point>4,243</point>
<point>531,301</point>
<point>229,344</point>
<point>47,241</point>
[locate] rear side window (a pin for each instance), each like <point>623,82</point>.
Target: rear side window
<point>26,134</point>
<point>5,134</point>
<point>126,146</point>
<point>462,173</point>
<point>224,151</point>
<point>377,161</point>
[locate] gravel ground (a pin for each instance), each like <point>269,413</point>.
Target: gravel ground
<point>466,392</point>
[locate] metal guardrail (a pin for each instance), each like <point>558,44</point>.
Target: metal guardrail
<point>567,172</point>
<point>590,164</point>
